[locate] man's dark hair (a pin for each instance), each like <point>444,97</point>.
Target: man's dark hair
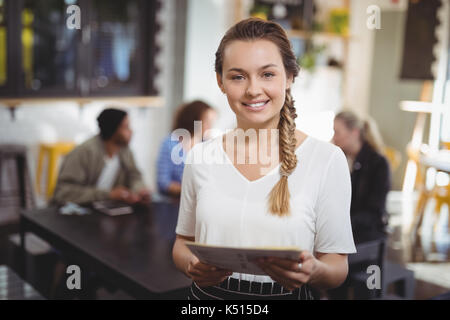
<point>108,122</point>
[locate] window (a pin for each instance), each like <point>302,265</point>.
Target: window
<point>112,53</point>
<point>49,48</point>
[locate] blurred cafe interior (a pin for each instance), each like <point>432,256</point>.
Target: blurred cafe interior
<point>64,62</point>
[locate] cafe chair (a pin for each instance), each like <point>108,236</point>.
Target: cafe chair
<point>18,154</point>
<point>441,196</point>
<point>16,191</point>
<point>439,160</point>
<point>54,151</point>
<point>391,274</point>
<point>368,253</point>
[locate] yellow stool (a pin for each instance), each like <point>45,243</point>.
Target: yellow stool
<point>424,197</point>
<point>54,152</point>
<point>441,194</point>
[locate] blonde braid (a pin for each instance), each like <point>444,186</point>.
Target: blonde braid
<point>279,196</point>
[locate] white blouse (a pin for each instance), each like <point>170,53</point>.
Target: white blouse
<point>219,206</point>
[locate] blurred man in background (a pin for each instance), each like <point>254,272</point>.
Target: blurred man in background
<point>103,167</point>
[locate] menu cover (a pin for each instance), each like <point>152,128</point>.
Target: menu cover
<point>239,259</point>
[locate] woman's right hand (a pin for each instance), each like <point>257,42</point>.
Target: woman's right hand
<point>205,275</point>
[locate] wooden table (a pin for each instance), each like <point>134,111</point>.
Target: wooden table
<point>132,252</point>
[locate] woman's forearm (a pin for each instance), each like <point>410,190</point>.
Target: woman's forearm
<point>331,271</point>
<point>181,255</point>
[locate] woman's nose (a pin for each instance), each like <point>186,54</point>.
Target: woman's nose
<point>253,88</point>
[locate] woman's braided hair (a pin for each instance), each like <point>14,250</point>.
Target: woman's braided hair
<point>257,29</point>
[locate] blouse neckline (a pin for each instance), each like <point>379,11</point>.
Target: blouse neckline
<point>271,172</point>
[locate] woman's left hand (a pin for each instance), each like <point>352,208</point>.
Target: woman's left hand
<point>287,272</point>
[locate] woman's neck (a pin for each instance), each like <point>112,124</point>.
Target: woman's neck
<point>265,128</point>
<point>262,141</point>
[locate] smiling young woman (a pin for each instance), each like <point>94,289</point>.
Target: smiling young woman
<point>302,200</point>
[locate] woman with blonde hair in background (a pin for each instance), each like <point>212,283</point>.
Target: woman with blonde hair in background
<point>301,197</point>
<point>370,174</point>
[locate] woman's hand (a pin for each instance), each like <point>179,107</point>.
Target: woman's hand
<point>287,272</point>
<point>204,274</point>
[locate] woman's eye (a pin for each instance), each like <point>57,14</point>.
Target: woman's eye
<point>268,75</point>
<point>237,77</point>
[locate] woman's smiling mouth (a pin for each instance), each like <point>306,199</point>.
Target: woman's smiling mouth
<point>256,105</point>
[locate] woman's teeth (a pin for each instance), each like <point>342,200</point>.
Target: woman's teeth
<point>256,105</point>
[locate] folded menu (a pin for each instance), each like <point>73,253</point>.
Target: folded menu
<point>239,259</point>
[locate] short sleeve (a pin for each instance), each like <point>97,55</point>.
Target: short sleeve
<point>188,201</point>
<point>333,226</point>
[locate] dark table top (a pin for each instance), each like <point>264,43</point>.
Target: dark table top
<point>137,246</point>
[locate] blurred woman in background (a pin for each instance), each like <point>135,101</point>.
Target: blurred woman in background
<point>370,174</point>
<point>169,173</point>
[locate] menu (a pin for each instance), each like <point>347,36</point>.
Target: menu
<point>239,259</point>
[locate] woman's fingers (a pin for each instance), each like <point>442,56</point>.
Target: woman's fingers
<point>294,266</point>
<point>282,281</point>
<point>289,276</point>
<point>284,264</point>
<point>205,267</point>
<point>288,279</point>
<point>275,277</point>
<point>204,274</point>
<point>210,272</point>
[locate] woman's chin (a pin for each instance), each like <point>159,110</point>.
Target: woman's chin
<point>260,120</point>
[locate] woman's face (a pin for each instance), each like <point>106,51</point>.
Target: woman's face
<point>344,137</point>
<point>255,82</point>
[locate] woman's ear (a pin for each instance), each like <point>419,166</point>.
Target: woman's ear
<point>219,82</point>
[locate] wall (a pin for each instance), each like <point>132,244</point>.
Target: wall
<point>207,22</point>
<point>387,90</point>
